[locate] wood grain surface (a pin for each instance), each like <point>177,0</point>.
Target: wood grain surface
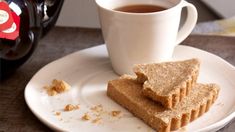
<point>14,113</point>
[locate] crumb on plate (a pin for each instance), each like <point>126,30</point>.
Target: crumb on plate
<point>86,117</point>
<point>56,87</point>
<point>115,113</point>
<point>70,107</point>
<point>57,113</point>
<point>96,120</point>
<point>97,108</point>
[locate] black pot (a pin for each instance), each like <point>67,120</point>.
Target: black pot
<point>36,17</point>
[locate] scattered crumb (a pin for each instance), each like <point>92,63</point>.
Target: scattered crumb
<point>56,87</point>
<point>139,127</point>
<point>51,92</point>
<point>57,113</point>
<point>97,108</point>
<point>115,113</point>
<point>95,114</point>
<point>86,117</point>
<point>70,107</point>
<point>97,120</point>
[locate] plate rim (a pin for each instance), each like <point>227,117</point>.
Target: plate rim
<point>218,125</point>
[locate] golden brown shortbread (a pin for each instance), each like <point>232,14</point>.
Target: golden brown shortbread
<point>128,93</point>
<point>168,82</point>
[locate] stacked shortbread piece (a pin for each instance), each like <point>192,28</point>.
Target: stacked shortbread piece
<point>166,96</point>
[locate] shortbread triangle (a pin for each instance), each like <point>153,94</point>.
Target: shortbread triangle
<point>168,82</point>
<point>128,93</point>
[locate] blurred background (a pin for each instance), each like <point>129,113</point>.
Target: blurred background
<point>219,13</point>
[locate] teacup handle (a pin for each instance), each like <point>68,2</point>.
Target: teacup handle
<point>190,22</point>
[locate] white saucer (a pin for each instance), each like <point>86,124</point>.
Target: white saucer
<point>88,71</point>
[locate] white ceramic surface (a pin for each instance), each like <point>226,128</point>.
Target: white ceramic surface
<point>134,38</point>
<point>88,71</point>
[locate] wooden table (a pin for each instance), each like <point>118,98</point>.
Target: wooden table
<point>14,113</point>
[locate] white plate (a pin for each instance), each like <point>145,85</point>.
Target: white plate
<point>88,71</point>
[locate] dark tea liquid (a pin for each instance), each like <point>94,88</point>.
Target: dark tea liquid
<point>140,8</point>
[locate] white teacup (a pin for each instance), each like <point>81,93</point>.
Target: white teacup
<point>134,38</point>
